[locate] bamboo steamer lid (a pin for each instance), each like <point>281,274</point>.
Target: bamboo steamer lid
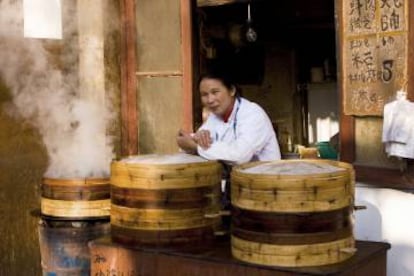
<point>154,171</point>
<point>293,185</point>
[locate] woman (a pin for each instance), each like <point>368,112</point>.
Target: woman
<point>236,130</point>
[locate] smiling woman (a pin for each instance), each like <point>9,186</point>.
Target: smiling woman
<point>236,130</point>
<point>42,19</point>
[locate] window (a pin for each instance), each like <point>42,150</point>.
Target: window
<point>42,19</point>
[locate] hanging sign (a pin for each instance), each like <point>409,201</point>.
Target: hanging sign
<point>374,53</point>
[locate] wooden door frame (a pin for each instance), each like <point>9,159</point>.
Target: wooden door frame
<point>187,64</point>
<point>129,88</point>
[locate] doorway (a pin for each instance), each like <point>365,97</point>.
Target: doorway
<point>290,64</point>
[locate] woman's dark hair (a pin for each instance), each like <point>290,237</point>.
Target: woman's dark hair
<point>225,79</point>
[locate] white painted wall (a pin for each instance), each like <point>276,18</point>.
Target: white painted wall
<point>322,111</point>
<point>42,19</point>
<point>389,217</point>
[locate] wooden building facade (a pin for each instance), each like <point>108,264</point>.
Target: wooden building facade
<point>148,54</point>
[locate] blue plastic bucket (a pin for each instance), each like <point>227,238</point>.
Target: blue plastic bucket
<point>64,246</point>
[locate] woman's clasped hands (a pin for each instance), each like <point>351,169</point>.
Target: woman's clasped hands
<point>189,141</point>
<point>203,138</point>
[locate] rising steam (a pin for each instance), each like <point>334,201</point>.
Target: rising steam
<point>73,128</point>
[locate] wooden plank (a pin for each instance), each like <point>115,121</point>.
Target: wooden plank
<point>187,65</point>
<point>374,54</point>
<point>129,112</point>
<point>370,259</point>
<point>369,149</point>
<point>158,44</point>
<point>347,140</point>
<point>346,133</point>
<point>151,74</point>
<point>386,178</point>
<point>161,72</point>
<point>207,3</point>
<point>161,109</point>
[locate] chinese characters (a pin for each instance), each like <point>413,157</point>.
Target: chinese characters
<point>374,52</point>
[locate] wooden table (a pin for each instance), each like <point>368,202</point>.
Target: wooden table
<point>109,258</point>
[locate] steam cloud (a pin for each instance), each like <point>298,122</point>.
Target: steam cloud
<point>73,128</point>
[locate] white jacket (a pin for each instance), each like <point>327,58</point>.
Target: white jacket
<point>247,136</point>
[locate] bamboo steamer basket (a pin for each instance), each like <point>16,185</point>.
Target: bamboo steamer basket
<point>75,199</point>
<point>165,200</point>
<point>293,219</point>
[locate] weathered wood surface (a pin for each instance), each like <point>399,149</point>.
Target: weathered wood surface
<point>217,259</point>
<point>374,54</point>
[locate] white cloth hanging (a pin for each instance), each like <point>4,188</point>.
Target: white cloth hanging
<point>398,128</point>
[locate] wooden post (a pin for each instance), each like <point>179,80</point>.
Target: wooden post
<point>129,112</point>
<point>347,132</point>
<point>186,57</point>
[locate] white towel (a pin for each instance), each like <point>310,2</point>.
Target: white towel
<point>398,128</point>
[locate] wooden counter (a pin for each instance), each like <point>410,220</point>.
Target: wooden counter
<point>109,258</point>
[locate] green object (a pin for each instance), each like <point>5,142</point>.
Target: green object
<point>326,151</point>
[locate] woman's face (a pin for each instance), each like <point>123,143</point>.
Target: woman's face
<point>216,97</point>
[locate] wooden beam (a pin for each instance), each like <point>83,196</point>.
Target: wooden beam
<point>385,177</point>
<point>347,139</point>
<point>187,65</point>
<point>129,112</point>
<point>347,128</point>
<point>150,74</point>
<point>207,3</point>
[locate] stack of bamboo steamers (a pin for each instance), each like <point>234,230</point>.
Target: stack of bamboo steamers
<point>74,212</point>
<point>165,200</point>
<point>293,213</point>
<point>289,213</point>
